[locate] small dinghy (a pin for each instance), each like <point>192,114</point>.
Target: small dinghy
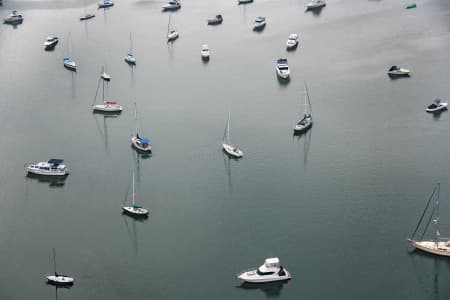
<point>292,41</point>
<point>59,279</point>
<point>270,271</point>
<point>13,18</point>
<point>260,23</point>
<point>171,5</point>
<point>205,52</point>
<point>282,68</point>
<point>134,210</point>
<point>87,17</point>
<point>218,19</point>
<point>52,167</point>
<point>138,142</point>
<point>227,146</point>
<point>105,4</point>
<point>306,122</point>
<point>437,106</point>
<point>50,42</point>
<point>397,71</point>
<point>314,4</point>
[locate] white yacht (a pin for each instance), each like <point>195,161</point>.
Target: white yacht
<point>292,41</point>
<point>260,23</point>
<point>205,52</point>
<point>227,146</point>
<point>51,42</point>
<point>171,5</point>
<point>59,279</point>
<point>313,4</point>
<point>13,18</point>
<point>270,271</point>
<point>140,143</point>
<point>438,245</point>
<point>105,4</point>
<point>134,210</point>
<point>53,167</point>
<point>283,68</point>
<point>437,106</point>
<point>397,71</point>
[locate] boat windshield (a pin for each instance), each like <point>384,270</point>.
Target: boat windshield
<point>283,68</point>
<point>263,273</point>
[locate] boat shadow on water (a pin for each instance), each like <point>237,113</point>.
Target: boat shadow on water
<point>395,77</point>
<point>315,11</point>
<point>271,290</point>
<point>284,82</point>
<point>53,181</point>
<point>67,287</point>
<point>437,114</point>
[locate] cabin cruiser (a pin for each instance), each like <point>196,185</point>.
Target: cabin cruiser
<point>397,71</point>
<point>60,280</point>
<point>13,18</point>
<point>130,59</point>
<point>172,5</point>
<point>87,17</point>
<point>313,4</point>
<point>260,23</point>
<point>53,167</point>
<point>283,68</point>
<point>70,64</point>
<point>218,19</point>
<point>105,4</point>
<point>142,144</point>
<point>172,35</point>
<point>108,106</point>
<point>292,41</point>
<point>270,271</point>
<point>51,42</point>
<point>437,106</point>
<point>205,52</point>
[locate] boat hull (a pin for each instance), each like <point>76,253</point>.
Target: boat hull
<point>232,151</point>
<point>442,248</point>
<point>259,27</point>
<point>107,108</point>
<point>50,46</point>
<point>441,107</point>
<point>301,129</point>
<point>105,5</point>
<point>283,75</point>
<point>139,147</point>
<point>253,278</point>
<point>70,66</point>
<point>135,212</point>
<point>87,17</point>
<point>172,37</point>
<point>60,280</point>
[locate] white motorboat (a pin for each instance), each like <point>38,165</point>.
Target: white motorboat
<point>282,68</point>
<point>260,23</point>
<point>134,210</point>
<point>218,19</point>
<point>59,279</point>
<point>52,167</point>
<point>437,106</point>
<point>313,4</point>
<point>87,17</point>
<point>13,18</point>
<point>227,146</point>
<point>205,52</point>
<point>51,42</point>
<point>171,33</point>
<point>105,4</point>
<point>138,142</point>
<point>306,122</point>
<point>270,271</point>
<point>171,5</point>
<point>397,71</point>
<point>439,245</point>
<point>106,106</point>
<point>292,41</point>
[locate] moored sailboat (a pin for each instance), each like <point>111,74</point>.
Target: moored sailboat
<point>172,34</point>
<point>227,146</point>
<point>59,279</point>
<point>134,210</point>
<point>68,62</point>
<point>306,122</point>
<point>129,58</point>
<point>138,142</point>
<point>107,106</point>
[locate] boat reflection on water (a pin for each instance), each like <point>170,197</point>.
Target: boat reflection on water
<point>53,181</point>
<point>271,290</point>
<point>59,287</point>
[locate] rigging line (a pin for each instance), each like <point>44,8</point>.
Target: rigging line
<point>428,223</point>
<point>423,214</point>
<point>96,92</point>
<point>126,195</point>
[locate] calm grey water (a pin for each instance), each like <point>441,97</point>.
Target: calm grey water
<point>336,205</point>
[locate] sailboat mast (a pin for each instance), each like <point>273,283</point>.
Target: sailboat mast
<point>307,97</point>
<point>437,215</point>
<point>135,118</point>
<point>168,25</point>
<point>54,260</point>
<point>133,190</point>
<point>228,127</point>
<point>131,45</point>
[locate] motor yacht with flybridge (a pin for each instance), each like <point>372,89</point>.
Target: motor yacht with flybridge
<point>52,167</point>
<point>270,271</point>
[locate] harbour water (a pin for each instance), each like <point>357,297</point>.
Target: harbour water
<point>336,204</point>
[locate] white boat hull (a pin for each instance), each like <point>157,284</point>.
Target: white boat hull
<point>71,66</point>
<point>259,26</point>
<point>232,150</point>
<point>401,72</point>
<point>442,248</point>
<point>60,280</point>
<point>107,108</point>
<point>441,106</point>
<point>283,74</point>
<point>130,60</point>
<point>40,172</point>
<point>135,211</point>
<point>302,128</point>
<point>172,36</point>
<point>253,277</point>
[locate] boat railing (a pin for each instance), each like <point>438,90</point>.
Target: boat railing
<point>246,270</point>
